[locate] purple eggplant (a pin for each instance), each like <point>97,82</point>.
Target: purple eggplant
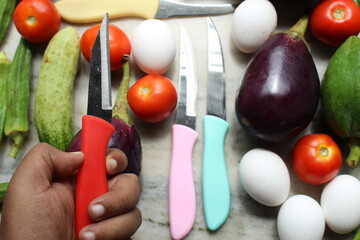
<point>125,136</point>
<point>280,90</point>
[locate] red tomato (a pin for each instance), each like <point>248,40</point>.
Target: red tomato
<point>152,98</point>
<point>119,44</point>
<point>316,158</point>
<point>36,20</point>
<point>333,21</point>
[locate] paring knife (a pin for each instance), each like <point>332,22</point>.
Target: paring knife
<point>215,183</point>
<point>96,130</point>
<point>182,197</point>
<point>86,11</point>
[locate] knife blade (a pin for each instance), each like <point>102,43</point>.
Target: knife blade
<point>215,183</point>
<point>182,197</point>
<point>87,11</point>
<point>96,131</point>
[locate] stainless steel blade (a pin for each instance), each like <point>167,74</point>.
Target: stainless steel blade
<point>216,99</point>
<point>170,8</point>
<point>99,92</point>
<point>186,109</point>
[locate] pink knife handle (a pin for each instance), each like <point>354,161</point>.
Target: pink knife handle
<point>182,198</point>
<point>91,179</point>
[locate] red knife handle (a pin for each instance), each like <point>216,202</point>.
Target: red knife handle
<point>91,179</point>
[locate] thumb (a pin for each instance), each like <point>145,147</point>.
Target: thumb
<point>44,162</point>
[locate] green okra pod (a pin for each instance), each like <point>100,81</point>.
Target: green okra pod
<point>18,97</point>
<point>4,69</point>
<point>6,10</point>
<point>3,190</point>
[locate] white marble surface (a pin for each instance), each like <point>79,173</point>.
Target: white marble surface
<point>248,219</point>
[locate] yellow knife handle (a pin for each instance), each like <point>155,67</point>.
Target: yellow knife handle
<point>89,11</point>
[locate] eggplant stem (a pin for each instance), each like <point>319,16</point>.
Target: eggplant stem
<point>354,155</point>
<point>298,30</point>
<point>357,235</point>
<point>120,109</point>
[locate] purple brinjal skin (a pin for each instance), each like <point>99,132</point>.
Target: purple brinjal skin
<point>125,138</point>
<point>75,144</point>
<point>279,93</point>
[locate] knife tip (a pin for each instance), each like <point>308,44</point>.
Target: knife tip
<point>105,19</point>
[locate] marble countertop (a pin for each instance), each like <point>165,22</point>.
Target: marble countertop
<point>248,219</point>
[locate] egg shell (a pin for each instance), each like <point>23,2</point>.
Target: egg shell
<point>252,24</point>
<point>340,201</point>
<point>264,176</point>
<point>153,46</point>
<point>300,218</point>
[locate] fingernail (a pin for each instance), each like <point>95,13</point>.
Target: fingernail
<point>98,210</point>
<point>89,236</point>
<point>112,164</point>
<point>77,153</point>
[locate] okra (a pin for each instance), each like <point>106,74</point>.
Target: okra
<point>18,97</point>
<point>3,190</point>
<point>6,10</point>
<point>4,69</point>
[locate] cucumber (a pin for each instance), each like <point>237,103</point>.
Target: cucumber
<point>54,92</point>
<point>4,69</point>
<point>340,95</point>
<point>17,124</point>
<point>6,10</point>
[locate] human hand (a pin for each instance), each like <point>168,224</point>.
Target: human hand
<point>39,203</point>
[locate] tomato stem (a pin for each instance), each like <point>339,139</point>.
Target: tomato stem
<point>120,109</point>
<point>31,20</point>
<point>339,13</point>
<point>145,90</point>
<point>324,152</point>
<point>354,155</point>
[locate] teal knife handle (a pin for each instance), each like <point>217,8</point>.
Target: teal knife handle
<point>216,188</point>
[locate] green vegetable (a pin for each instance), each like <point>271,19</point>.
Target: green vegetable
<point>18,94</point>
<point>6,10</point>
<point>3,189</point>
<point>340,91</point>
<point>54,92</point>
<point>357,235</point>
<point>4,69</point>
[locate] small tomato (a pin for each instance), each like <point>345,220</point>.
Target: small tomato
<point>152,98</point>
<point>36,20</point>
<point>316,158</point>
<point>119,44</point>
<point>333,21</point>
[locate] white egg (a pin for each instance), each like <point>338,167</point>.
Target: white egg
<point>340,201</point>
<point>264,176</point>
<point>300,218</point>
<point>252,24</point>
<point>153,46</point>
